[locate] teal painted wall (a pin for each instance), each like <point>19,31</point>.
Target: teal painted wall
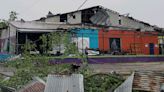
<point>92,34</point>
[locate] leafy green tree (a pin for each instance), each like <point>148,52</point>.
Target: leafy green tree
<point>3,24</point>
<point>70,47</point>
<point>44,45</point>
<point>27,47</point>
<point>57,40</point>
<point>13,16</point>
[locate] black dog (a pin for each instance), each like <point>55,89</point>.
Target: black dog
<point>75,67</point>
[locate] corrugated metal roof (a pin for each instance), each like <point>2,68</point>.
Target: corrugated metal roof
<point>148,80</point>
<point>101,18</point>
<point>34,86</point>
<point>65,83</point>
<point>35,25</point>
<point>47,26</point>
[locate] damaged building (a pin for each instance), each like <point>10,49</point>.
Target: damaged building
<point>19,32</point>
<point>96,28</point>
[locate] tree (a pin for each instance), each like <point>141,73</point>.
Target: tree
<point>13,16</point>
<point>27,47</point>
<point>46,43</point>
<point>58,41</point>
<point>3,24</point>
<point>69,46</point>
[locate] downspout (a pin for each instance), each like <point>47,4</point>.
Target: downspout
<point>17,44</point>
<point>8,47</point>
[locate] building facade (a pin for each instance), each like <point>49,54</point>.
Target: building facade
<point>127,41</point>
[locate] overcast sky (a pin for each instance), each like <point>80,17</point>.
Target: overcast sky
<point>151,11</point>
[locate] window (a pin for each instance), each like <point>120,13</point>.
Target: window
<point>63,18</point>
<point>120,22</point>
<point>74,17</point>
<point>86,15</point>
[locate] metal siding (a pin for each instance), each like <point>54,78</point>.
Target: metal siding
<point>92,34</point>
<point>65,83</point>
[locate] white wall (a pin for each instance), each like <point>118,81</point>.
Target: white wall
<point>53,19</point>
<point>70,19</point>
<point>77,19</point>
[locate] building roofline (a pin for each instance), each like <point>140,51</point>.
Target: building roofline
<point>101,7</point>
<point>98,6</point>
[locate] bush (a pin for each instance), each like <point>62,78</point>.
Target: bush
<point>101,82</point>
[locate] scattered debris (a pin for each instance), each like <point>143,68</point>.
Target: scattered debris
<point>37,85</point>
<point>148,80</point>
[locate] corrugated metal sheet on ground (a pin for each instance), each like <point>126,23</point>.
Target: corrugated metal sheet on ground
<point>148,80</point>
<point>127,85</point>
<point>65,83</point>
<point>34,86</point>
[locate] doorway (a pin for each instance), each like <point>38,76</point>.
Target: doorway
<point>151,48</point>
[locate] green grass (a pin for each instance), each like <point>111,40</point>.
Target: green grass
<point>39,66</point>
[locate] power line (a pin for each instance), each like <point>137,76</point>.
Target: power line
<point>82,4</point>
<point>69,17</point>
<point>76,10</point>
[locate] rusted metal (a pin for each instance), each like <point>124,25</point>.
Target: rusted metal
<point>148,80</point>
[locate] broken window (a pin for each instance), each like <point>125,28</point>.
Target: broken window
<point>120,22</point>
<point>74,17</point>
<point>86,15</point>
<point>63,18</point>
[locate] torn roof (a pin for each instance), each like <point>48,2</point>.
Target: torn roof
<point>98,7</point>
<point>101,7</point>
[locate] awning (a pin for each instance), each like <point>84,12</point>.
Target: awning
<point>36,30</point>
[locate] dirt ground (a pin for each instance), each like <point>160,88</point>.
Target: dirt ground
<point>127,68</point>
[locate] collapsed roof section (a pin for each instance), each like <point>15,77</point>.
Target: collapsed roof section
<point>98,15</point>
